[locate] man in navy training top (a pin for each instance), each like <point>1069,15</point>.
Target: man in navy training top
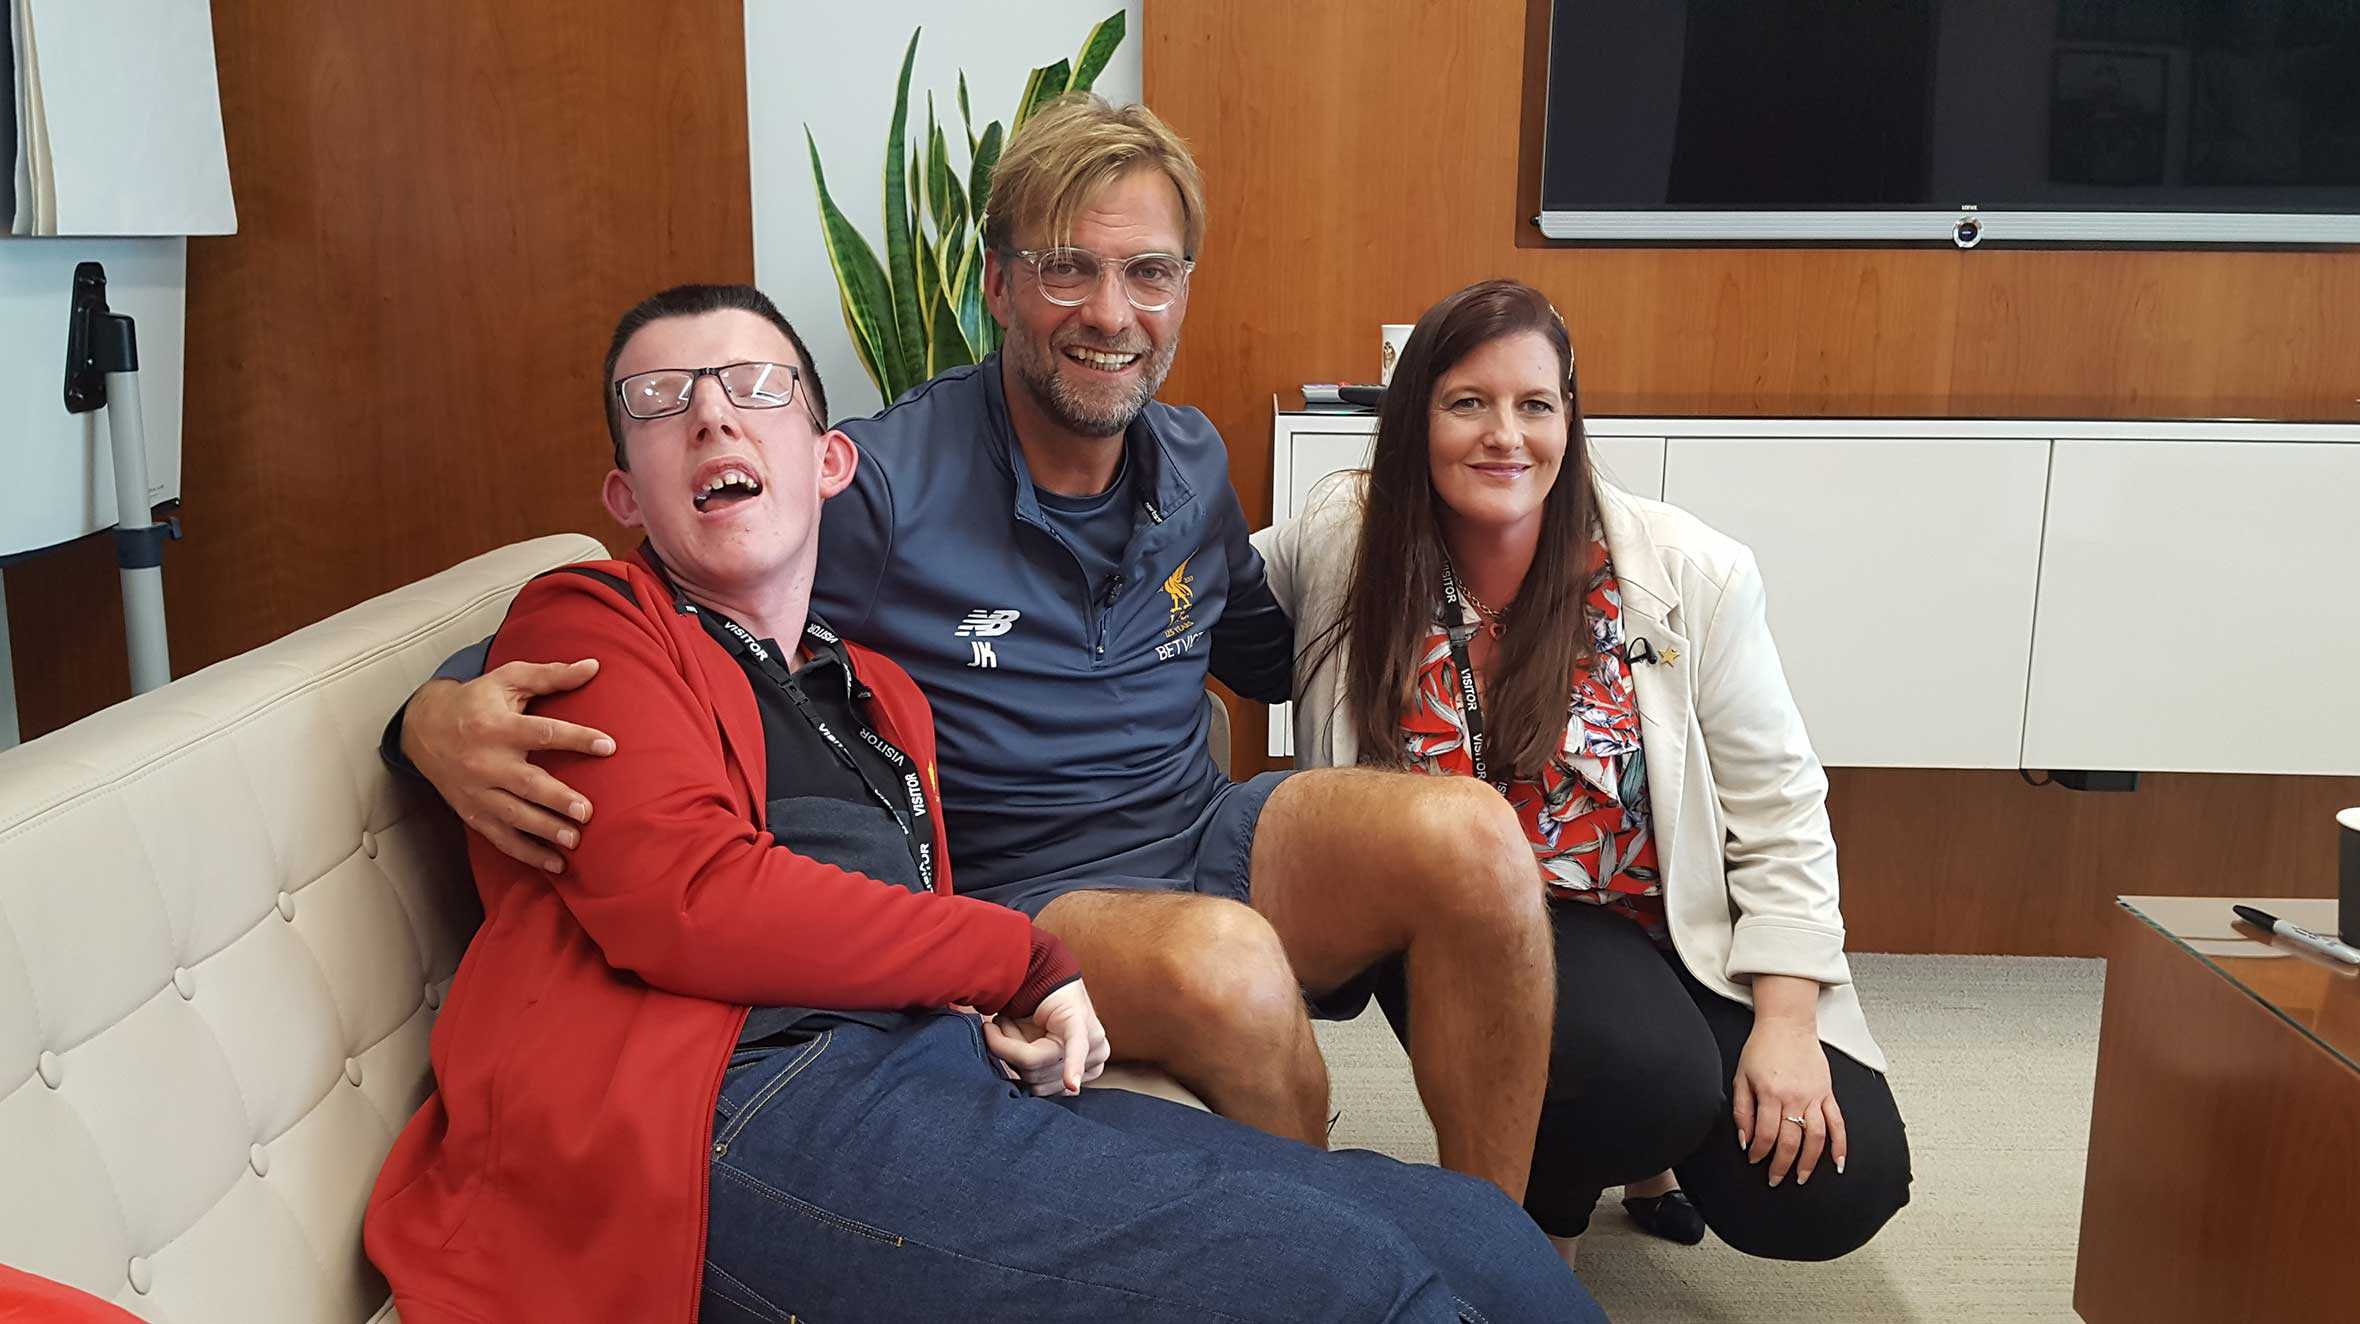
<point>1058,558</point>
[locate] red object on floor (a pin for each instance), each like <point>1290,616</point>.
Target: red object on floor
<point>25,1299</point>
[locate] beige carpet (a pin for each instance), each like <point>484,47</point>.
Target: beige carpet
<point>1992,1060</point>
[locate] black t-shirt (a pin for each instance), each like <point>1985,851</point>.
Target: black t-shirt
<point>817,806</point>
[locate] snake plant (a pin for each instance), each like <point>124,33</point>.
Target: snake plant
<point>920,310</point>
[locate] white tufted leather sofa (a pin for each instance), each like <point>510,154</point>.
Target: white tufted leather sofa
<point>224,931</point>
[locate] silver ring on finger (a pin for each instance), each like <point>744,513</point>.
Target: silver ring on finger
<point>1800,1122</point>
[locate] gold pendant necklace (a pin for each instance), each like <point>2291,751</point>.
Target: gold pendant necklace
<point>1495,619</point>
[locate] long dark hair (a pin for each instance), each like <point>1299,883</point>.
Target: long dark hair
<point>1397,578</point>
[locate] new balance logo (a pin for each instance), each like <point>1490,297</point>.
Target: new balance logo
<point>984,624</point>
<point>987,624</point>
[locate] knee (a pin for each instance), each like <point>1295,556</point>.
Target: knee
<point>1619,1111</point>
<point>1472,855</point>
<point>1858,1212</point>
<point>1837,1213</point>
<point>1222,966</point>
<point>1831,1230</point>
<point>1670,1091</point>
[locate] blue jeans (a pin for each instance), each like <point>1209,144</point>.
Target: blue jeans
<point>875,1175</point>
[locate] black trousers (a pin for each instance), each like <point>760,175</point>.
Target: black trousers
<point>1639,1075</point>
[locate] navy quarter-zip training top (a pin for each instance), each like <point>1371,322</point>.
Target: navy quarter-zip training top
<point>1069,712</point>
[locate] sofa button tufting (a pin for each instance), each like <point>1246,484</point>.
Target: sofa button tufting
<point>185,984</point>
<point>369,844</point>
<point>258,1159</point>
<point>352,1070</point>
<point>287,906</point>
<point>141,1277</point>
<point>53,1070</point>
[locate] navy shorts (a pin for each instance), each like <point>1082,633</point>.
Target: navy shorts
<point>1212,856</point>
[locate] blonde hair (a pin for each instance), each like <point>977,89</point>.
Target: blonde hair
<point>1071,148</point>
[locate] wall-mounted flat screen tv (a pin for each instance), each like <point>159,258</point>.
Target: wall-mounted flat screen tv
<point>2054,121</point>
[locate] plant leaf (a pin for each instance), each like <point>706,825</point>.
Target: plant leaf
<point>908,360</point>
<point>979,175</point>
<point>975,320</point>
<point>1024,100</point>
<point>860,346</point>
<point>1046,84</point>
<point>860,281</point>
<point>948,348</point>
<point>940,180</point>
<point>928,198</point>
<point>954,280</point>
<point>950,241</point>
<point>1097,49</point>
<point>929,296</point>
<point>966,117</point>
<point>953,237</point>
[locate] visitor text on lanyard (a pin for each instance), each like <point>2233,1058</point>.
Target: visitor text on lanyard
<point>909,816</point>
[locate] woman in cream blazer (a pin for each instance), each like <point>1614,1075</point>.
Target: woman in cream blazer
<point>1741,846</point>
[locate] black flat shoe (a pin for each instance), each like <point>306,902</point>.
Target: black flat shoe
<point>1669,1216</point>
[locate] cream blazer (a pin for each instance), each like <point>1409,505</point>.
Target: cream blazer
<point>1749,864</point>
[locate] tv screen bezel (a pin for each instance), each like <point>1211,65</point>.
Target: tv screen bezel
<point>1929,226</point>
<point>1967,225</point>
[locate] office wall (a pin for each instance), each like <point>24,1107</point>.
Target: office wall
<point>389,367</point>
<point>858,49</point>
<point>1365,157</point>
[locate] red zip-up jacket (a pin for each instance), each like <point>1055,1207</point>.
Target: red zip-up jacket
<point>558,1171</point>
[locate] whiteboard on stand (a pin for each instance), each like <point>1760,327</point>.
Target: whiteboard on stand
<point>57,470</point>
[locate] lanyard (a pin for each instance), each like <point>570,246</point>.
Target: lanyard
<point>1470,703</point>
<point>905,816</point>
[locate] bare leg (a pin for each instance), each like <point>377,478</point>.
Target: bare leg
<point>1353,866</point>
<point>1661,1183</point>
<point>1200,987</point>
<point>1569,1249</point>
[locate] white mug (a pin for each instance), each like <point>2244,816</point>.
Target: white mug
<point>1395,339</point>
<point>2348,876</point>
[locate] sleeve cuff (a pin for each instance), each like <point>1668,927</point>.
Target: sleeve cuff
<point>1784,947</point>
<point>1049,968</point>
<point>389,745</point>
<point>464,665</point>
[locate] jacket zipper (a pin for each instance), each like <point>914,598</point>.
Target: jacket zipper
<point>1095,605</point>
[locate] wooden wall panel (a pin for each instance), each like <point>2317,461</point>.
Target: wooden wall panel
<point>393,364</point>
<point>1364,158</point>
<point>2157,333</point>
<point>1981,862</point>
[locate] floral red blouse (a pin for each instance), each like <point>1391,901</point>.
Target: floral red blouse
<point>1587,816</point>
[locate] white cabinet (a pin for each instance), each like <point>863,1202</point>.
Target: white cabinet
<point>1999,593</point>
<point>1314,455</point>
<point>1634,464</point>
<point>1901,573</point>
<point>2199,608</point>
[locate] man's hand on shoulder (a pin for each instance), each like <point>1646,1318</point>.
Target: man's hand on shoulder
<point>472,741</point>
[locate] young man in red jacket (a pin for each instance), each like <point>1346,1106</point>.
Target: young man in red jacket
<point>723,1061</point>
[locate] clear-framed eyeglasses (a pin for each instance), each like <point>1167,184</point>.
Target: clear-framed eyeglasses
<point>1069,276</point>
<point>663,392</point>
